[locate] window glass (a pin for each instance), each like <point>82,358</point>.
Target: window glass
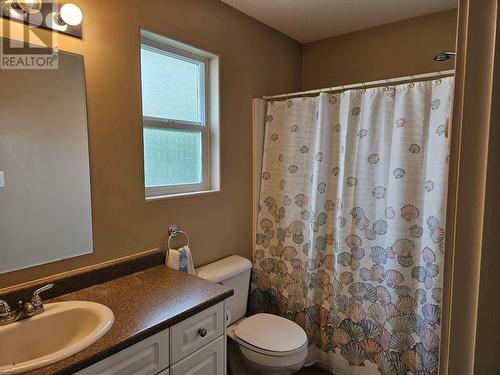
<point>172,157</point>
<point>171,86</point>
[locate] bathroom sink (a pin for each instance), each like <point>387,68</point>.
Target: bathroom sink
<point>63,329</point>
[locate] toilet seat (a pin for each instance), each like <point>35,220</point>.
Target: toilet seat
<point>269,353</point>
<point>268,343</point>
<point>270,335</point>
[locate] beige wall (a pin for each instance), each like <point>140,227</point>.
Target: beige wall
<point>392,50</point>
<point>470,300</point>
<point>219,224</point>
<point>487,351</point>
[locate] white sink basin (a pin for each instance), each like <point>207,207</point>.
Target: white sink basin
<point>63,329</point>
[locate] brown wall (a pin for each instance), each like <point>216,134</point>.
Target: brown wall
<point>487,350</point>
<point>393,50</point>
<point>470,298</point>
<point>219,224</point>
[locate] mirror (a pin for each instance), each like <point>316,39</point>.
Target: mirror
<point>45,200</point>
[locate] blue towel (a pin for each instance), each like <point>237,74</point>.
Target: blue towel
<point>181,260</point>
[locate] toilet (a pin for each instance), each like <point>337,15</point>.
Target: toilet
<point>260,344</point>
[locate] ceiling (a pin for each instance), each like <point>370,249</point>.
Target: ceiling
<point>310,20</point>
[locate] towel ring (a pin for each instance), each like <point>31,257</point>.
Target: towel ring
<point>175,231</point>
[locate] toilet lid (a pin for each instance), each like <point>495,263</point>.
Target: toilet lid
<point>271,333</point>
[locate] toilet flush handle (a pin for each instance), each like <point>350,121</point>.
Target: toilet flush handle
<point>202,332</point>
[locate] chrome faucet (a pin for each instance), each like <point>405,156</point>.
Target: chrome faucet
<point>6,314</point>
<point>25,310</point>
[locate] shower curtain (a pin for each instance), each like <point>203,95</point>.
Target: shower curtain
<point>350,235</point>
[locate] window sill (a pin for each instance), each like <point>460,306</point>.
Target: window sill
<point>181,195</point>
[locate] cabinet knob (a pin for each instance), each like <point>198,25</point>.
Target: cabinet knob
<point>202,332</point>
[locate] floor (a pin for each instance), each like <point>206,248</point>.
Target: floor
<point>313,370</point>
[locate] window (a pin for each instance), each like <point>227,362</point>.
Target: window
<point>180,117</point>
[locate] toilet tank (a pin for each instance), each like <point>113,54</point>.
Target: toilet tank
<point>233,272</point>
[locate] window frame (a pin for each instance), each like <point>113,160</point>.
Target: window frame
<point>203,127</point>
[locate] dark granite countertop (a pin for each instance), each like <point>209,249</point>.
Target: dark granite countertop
<point>144,303</point>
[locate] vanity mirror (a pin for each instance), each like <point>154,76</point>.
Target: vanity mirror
<point>45,200</point>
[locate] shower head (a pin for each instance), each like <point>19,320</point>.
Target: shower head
<point>443,56</point>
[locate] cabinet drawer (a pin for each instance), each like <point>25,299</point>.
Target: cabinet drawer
<point>147,357</point>
<point>208,360</point>
<point>197,331</point>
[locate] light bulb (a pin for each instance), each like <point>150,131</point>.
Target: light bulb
<point>12,11</point>
<point>29,6</point>
<point>71,14</point>
<point>20,9</point>
<point>52,21</point>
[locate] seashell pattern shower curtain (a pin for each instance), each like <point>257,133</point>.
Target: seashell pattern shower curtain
<point>350,237</point>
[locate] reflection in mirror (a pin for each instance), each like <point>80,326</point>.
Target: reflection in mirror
<point>45,203</point>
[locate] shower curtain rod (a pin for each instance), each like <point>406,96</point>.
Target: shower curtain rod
<point>416,77</point>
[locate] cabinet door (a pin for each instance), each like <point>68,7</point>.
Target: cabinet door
<point>193,333</point>
<point>148,357</point>
<point>208,360</point>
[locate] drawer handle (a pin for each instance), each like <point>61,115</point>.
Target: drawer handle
<point>202,332</point>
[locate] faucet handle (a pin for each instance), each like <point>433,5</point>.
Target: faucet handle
<point>36,300</point>
<point>4,309</point>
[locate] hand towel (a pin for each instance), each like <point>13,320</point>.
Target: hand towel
<point>181,260</point>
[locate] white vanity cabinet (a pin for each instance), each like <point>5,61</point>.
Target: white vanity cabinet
<point>209,360</point>
<point>195,346</point>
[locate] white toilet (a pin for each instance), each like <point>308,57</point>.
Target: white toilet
<point>260,344</point>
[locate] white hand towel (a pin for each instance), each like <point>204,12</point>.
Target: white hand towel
<point>181,260</point>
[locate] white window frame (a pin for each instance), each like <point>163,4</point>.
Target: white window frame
<point>203,127</point>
